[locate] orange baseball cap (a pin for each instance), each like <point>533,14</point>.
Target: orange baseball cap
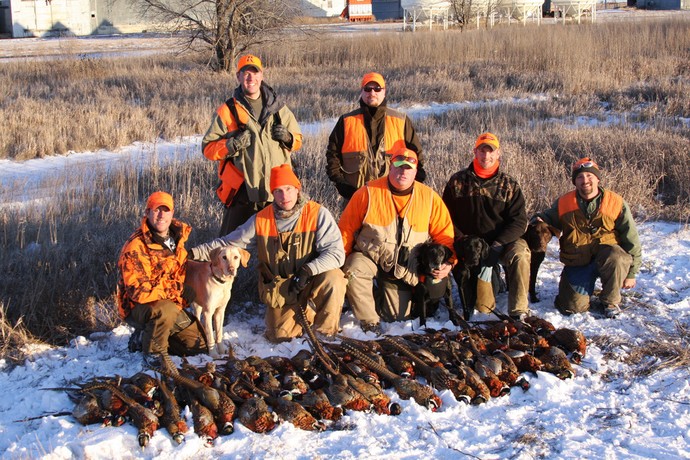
<point>375,78</point>
<point>250,60</point>
<point>158,199</point>
<point>404,157</point>
<point>487,139</point>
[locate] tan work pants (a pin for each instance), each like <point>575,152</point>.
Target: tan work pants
<point>516,260</point>
<point>164,322</point>
<point>389,300</point>
<point>327,291</point>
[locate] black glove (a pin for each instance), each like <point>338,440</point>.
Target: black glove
<point>238,142</point>
<point>299,281</point>
<point>279,133</point>
<point>495,251</point>
<point>346,190</point>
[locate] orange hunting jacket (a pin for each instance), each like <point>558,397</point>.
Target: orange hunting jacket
<point>378,224</point>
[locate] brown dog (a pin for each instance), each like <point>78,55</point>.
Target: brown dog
<point>212,283</point>
<point>538,235</point>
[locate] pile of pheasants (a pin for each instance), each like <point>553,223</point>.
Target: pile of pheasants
<point>314,387</point>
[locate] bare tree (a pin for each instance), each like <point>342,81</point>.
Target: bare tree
<point>224,28</point>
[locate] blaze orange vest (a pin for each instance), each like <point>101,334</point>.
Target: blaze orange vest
<point>360,163</point>
<point>384,232</point>
<point>581,237</point>
<point>282,255</point>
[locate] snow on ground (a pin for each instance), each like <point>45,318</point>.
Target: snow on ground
<point>609,410</point>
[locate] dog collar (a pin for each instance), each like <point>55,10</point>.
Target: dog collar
<point>213,274</point>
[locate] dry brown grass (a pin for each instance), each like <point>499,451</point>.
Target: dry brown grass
<point>58,258</point>
<point>664,351</point>
<point>13,338</point>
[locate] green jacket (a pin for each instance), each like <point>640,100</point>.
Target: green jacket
<point>264,153</point>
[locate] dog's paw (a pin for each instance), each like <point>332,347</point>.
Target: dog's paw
<point>221,349</point>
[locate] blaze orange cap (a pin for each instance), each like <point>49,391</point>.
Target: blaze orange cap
<point>283,175</point>
<point>375,78</point>
<point>249,60</point>
<point>487,139</point>
<point>158,199</point>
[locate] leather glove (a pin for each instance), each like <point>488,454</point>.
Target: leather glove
<point>492,257</point>
<point>299,281</point>
<point>238,142</point>
<point>279,133</point>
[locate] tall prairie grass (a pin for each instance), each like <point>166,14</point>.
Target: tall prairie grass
<point>617,92</point>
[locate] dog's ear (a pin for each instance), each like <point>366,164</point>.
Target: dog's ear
<point>213,256</point>
<point>244,257</point>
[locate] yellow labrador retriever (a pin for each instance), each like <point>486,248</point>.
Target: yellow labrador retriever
<point>213,284</point>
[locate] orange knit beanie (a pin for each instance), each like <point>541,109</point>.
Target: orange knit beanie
<point>283,175</point>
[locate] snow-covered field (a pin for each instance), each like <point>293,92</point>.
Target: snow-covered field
<point>611,409</point>
<point>627,399</point>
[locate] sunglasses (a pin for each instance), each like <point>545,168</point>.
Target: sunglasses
<point>410,160</point>
<point>586,164</point>
<point>369,89</point>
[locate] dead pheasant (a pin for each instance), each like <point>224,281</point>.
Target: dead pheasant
<point>555,361</point>
<point>509,371</point>
<point>340,394</point>
<point>317,403</point>
<point>524,361</point>
<point>88,411</point>
<point>407,389</point>
<point>291,411</point>
<point>488,369</point>
<point>218,402</point>
<point>571,341</point>
<point>145,382</point>
<point>255,415</point>
<point>142,418</point>
<point>375,395</point>
<point>471,378</point>
<point>171,419</point>
<point>204,426</point>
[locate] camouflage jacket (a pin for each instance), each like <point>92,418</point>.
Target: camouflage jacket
<point>149,271</point>
<point>492,208</point>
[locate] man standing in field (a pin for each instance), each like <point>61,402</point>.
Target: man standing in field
<point>599,240</point>
<point>251,132</point>
<point>381,225</point>
<point>151,294</point>
<point>360,145</point>
<point>300,253</point>
<point>488,203</point>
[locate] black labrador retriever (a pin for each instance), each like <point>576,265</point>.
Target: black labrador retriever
<point>427,294</point>
<point>471,250</point>
<point>538,235</point>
